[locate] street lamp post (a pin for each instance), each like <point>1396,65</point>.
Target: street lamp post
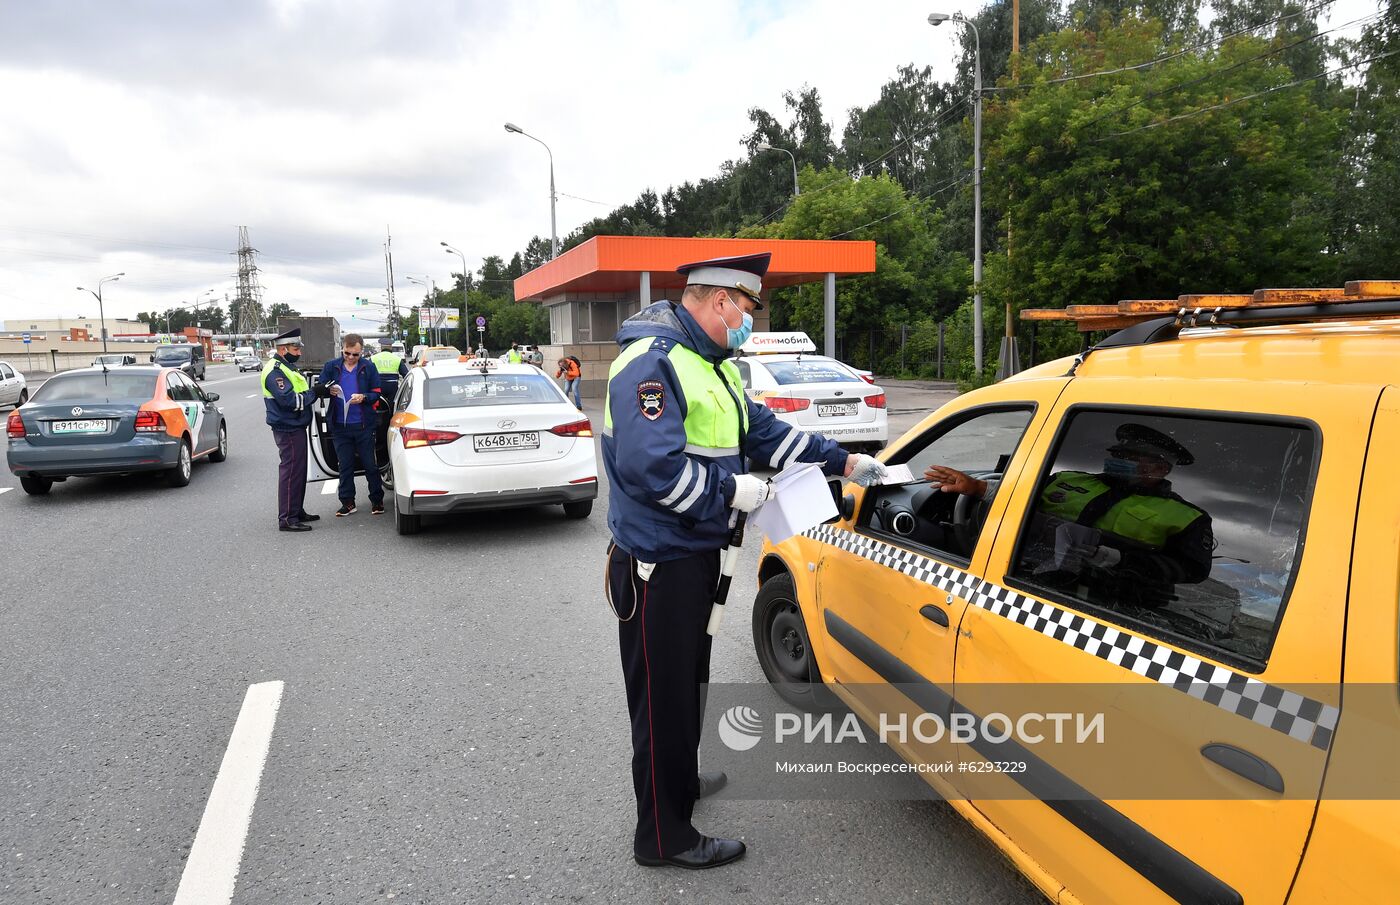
<point>937,19</point>
<point>796,189</point>
<point>101,312</point>
<point>466,325</point>
<point>553,233</point>
<point>430,334</point>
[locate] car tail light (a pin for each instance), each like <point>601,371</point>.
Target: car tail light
<point>14,426</point>
<point>149,422</point>
<point>876,402</point>
<point>582,428</point>
<point>787,404</point>
<point>868,378</point>
<point>418,436</point>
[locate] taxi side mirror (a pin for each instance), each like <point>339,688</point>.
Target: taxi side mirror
<point>212,397</point>
<point>845,505</point>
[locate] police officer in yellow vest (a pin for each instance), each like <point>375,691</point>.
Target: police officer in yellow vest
<point>678,432</point>
<point>288,397</point>
<point>391,368</point>
<point>1148,539</point>
<point>513,356</point>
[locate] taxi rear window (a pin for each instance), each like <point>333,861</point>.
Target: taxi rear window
<point>488,389</point>
<point>788,373</point>
<point>97,388</point>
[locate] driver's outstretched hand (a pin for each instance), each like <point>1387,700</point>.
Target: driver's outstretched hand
<point>954,481</point>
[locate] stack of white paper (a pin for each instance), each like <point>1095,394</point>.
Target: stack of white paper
<point>800,500</point>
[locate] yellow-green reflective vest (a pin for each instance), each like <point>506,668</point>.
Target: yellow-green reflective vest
<point>296,378</point>
<point>386,362</point>
<point>513,356</point>
<point>1150,520</point>
<point>711,419</point>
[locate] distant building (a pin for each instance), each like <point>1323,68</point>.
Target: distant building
<point>116,326</point>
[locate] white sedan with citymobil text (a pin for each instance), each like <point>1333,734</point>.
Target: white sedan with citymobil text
<point>478,434</point>
<point>812,392</point>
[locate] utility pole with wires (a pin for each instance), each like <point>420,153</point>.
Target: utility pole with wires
<point>250,319</point>
<point>395,327</point>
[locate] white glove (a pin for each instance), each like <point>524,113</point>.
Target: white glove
<point>866,471</point>
<point>1100,556</point>
<point>749,492</point>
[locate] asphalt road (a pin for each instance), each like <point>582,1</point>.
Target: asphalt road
<point>453,726</point>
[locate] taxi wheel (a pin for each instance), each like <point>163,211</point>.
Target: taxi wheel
<point>221,453</point>
<point>405,523</point>
<point>580,509</point>
<point>35,486</point>
<point>783,647</point>
<point>179,476</point>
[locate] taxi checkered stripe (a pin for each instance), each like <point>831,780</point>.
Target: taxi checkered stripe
<point>1294,715</point>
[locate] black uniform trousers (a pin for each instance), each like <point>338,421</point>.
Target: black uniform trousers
<point>291,475</point>
<point>666,664</point>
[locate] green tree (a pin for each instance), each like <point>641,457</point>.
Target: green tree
<point>1369,207</point>
<point>1111,199</point>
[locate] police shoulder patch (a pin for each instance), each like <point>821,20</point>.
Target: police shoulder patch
<point>651,399</point>
<point>281,382</point>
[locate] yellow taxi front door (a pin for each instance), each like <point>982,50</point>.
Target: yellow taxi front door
<point>1183,635</point>
<point>890,581</point>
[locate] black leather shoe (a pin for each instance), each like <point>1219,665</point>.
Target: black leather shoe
<point>308,517</point>
<point>708,852</point>
<point>707,784</point>
<point>296,527</point>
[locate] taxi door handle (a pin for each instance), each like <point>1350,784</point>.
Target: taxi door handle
<point>1242,763</point>
<point>934,614</point>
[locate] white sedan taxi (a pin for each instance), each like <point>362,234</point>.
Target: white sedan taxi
<point>478,434</point>
<point>812,392</point>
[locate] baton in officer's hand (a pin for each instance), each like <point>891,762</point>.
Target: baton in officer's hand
<point>749,492</point>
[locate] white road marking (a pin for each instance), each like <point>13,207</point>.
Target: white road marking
<point>329,487</point>
<point>212,867</point>
<point>6,489</point>
<point>251,396</point>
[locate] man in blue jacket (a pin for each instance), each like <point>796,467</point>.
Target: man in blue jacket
<point>353,382</point>
<point>288,399</point>
<point>678,431</point>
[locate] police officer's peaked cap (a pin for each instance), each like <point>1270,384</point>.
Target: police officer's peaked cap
<point>1143,440</point>
<point>291,338</point>
<point>744,273</point>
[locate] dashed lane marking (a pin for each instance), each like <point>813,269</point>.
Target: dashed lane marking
<point>6,489</point>
<point>329,487</point>
<point>212,867</point>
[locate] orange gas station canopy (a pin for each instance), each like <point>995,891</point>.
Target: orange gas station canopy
<point>616,263</point>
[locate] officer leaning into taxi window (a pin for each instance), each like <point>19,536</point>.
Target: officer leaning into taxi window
<point>1142,539</point>
<point>288,397</point>
<point>678,433</point>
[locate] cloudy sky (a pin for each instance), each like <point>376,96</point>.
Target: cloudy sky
<point>138,135</point>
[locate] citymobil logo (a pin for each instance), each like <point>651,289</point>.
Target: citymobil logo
<point>740,728</point>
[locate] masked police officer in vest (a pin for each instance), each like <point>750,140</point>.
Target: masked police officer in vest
<point>1142,539</point>
<point>678,433</point>
<point>288,398</point>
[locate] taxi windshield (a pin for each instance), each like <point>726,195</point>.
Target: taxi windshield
<point>99,387</point>
<point>489,389</point>
<point>792,372</point>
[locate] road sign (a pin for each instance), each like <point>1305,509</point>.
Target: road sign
<point>480,323</point>
<point>440,318</point>
<point>27,338</point>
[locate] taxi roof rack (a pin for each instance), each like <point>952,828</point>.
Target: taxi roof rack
<point>1357,299</point>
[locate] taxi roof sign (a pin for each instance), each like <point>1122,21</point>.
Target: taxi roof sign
<point>768,343</point>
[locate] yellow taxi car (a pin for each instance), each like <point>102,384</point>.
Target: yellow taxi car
<point>1197,529</point>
